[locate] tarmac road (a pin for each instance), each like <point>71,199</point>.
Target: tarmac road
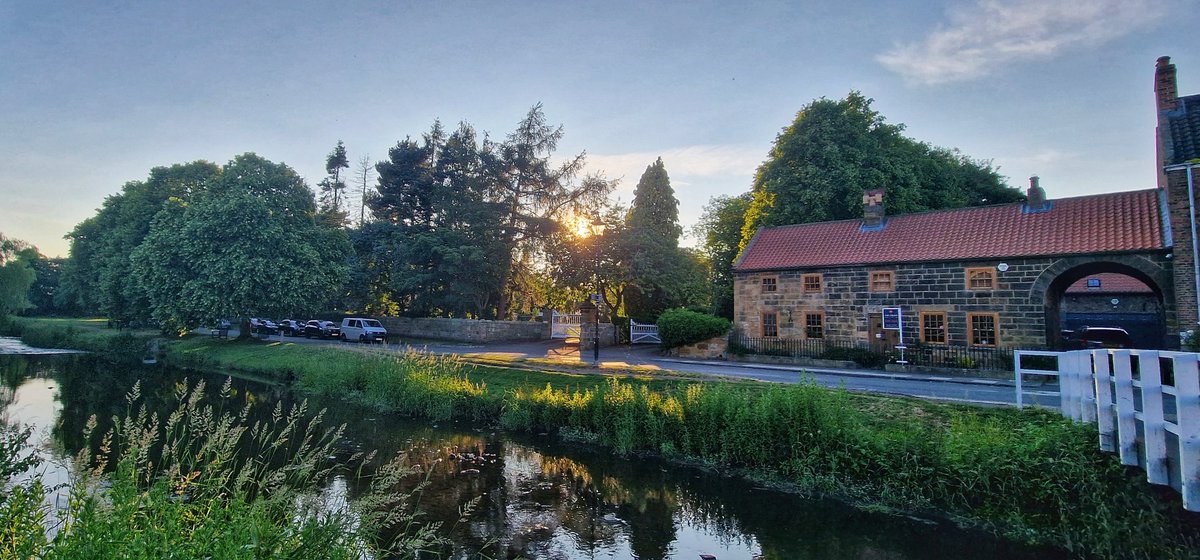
<point>934,386</point>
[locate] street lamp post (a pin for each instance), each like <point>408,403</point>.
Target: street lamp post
<point>597,229</point>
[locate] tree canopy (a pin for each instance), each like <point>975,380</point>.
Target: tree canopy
<point>16,276</point>
<point>833,151</point>
<point>720,231</point>
<point>250,244</point>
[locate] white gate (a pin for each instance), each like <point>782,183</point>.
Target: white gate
<point>1120,389</point>
<point>641,333</point>
<point>564,325</point>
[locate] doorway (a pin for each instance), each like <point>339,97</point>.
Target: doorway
<point>881,341</point>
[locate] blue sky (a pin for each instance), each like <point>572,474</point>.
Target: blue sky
<point>95,94</point>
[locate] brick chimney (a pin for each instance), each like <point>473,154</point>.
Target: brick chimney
<point>1165,89</point>
<point>873,209</point>
<point>1036,195</point>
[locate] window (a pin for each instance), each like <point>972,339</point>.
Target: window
<point>814,325</point>
<point>811,283</point>
<point>769,284</point>
<point>883,281</point>
<point>770,324</point>
<point>982,329</point>
<point>933,327</point>
<point>981,279</point>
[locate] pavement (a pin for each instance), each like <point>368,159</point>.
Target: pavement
<point>648,359</point>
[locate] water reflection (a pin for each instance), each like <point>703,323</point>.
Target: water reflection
<point>530,496</point>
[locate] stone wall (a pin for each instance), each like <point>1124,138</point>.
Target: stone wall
<point>1019,298</point>
<point>466,330</point>
<point>714,347</point>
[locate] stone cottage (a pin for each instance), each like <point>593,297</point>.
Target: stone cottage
<point>989,276</point>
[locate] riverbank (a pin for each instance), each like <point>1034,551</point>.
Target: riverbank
<point>1027,475</point>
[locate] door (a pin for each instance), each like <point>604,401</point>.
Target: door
<point>881,341</point>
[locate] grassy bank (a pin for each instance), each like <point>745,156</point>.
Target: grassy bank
<point>1028,475</point>
<point>208,483</point>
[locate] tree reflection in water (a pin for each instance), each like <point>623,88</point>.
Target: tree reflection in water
<point>533,497</point>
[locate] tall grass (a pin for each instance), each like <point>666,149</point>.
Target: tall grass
<point>1029,475</point>
<point>204,482</point>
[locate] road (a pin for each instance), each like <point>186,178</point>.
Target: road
<point>924,385</point>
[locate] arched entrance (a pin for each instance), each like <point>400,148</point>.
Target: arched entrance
<point>1146,317</point>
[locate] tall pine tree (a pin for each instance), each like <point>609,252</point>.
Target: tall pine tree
<point>661,273</point>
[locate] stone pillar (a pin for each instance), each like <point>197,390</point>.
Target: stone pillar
<point>587,328</point>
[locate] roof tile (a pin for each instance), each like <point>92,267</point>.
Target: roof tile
<point>1115,222</point>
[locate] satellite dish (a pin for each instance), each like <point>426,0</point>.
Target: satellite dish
<point>1002,267</point>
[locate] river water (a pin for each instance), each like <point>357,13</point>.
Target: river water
<point>537,498</point>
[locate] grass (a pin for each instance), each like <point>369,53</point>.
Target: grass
<point>1028,475</point>
<point>212,479</point>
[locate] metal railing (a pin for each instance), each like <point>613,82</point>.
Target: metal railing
<point>863,353</point>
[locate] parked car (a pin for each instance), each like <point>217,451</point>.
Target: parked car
<point>363,330</point>
<point>263,326</point>
<point>291,327</point>
<point>321,329</point>
<point>1099,337</point>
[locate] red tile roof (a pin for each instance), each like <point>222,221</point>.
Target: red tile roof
<point>1110,283</point>
<point>1103,223</point>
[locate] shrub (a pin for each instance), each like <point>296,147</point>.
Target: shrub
<point>677,327</point>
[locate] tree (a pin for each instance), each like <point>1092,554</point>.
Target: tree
<point>438,249</point>
<point>534,196</point>
<point>251,244</point>
<point>720,230</point>
<point>365,173</point>
<point>333,185</point>
<point>16,276</point>
<point>835,150</point>
<point>661,275</point>
<point>98,276</point>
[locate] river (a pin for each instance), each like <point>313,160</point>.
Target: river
<point>537,497</point>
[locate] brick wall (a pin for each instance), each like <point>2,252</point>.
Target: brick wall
<point>1181,233</point>
<point>1018,299</point>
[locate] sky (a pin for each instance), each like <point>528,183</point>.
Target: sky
<point>95,94</point>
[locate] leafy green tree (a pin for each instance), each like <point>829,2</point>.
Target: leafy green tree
<point>98,275</point>
<point>822,163</point>
<point>16,276</point>
<point>720,229</point>
<point>593,263</point>
<point>250,244</point>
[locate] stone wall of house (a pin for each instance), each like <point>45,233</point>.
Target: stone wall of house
<point>1181,233</point>
<point>466,330</point>
<point>1019,299</point>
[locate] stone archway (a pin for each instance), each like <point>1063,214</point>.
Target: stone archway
<point>1051,285</point>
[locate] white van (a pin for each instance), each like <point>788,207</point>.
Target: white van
<point>363,330</point>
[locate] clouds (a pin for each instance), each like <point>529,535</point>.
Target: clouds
<point>996,33</point>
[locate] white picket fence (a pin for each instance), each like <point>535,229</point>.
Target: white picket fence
<point>640,333</point>
<point>565,325</point>
<point>1124,390</point>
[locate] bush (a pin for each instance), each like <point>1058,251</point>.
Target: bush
<point>860,356</point>
<point>678,327</point>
